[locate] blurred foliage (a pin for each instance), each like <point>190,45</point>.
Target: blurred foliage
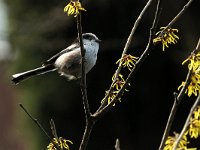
<point>39,29</point>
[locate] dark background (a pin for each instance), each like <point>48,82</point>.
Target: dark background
<point>38,29</point>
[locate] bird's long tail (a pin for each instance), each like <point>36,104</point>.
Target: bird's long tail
<point>38,71</point>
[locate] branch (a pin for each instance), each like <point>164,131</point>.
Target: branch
<point>177,100</point>
<point>169,121</point>
<point>128,42</point>
<point>117,144</point>
<point>180,13</point>
<point>130,37</point>
<point>83,75</point>
<point>89,119</point>
<point>187,123</point>
<point>38,124</point>
<point>88,129</point>
<point>53,128</point>
<point>191,110</point>
<point>146,52</point>
<point>198,46</point>
<point>35,121</point>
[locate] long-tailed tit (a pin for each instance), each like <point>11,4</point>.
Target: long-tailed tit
<point>68,61</point>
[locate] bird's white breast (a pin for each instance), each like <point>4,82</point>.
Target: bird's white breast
<point>90,54</point>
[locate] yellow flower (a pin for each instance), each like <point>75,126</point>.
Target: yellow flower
<point>111,96</point>
<point>194,66</point>
<point>169,144</point>
<point>194,127</point>
<point>194,85</point>
<point>166,36</point>
<point>194,62</point>
<point>196,113</point>
<point>119,82</point>
<point>61,143</point>
<point>74,8</point>
<point>127,61</point>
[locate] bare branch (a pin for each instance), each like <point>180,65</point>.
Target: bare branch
<point>198,46</point>
<point>117,144</point>
<point>83,75</point>
<point>35,121</point>
<point>88,129</point>
<point>191,110</point>
<point>177,100</point>
<point>89,119</point>
<point>128,42</point>
<point>134,70</point>
<point>53,129</point>
<point>187,123</point>
<point>179,14</point>
<point>38,124</point>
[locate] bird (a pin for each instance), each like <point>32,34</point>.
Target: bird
<point>68,61</point>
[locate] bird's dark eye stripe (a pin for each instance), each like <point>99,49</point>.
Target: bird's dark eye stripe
<point>87,37</point>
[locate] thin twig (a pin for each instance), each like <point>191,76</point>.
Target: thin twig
<point>146,52</point>
<point>128,42</point>
<point>117,144</point>
<point>169,122</point>
<point>35,121</point>
<point>187,123</point>
<point>38,124</point>
<point>53,129</point>
<point>130,37</point>
<point>177,100</point>
<point>198,46</point>
<point>180,13</point>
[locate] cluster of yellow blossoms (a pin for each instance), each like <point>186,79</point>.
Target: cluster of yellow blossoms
<point>73,8</point>
<point>166,36</point>
<point>194,127</point>
<point>170,142</point>
<point>60,143</point>
<point>193,131</point>
<point>127,61</point>
<point>194,67</point>
<point>119,82</point>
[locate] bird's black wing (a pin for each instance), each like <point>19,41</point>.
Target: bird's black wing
<point>54,58</point>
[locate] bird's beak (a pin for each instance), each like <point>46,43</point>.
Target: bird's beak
<point>97,40</point>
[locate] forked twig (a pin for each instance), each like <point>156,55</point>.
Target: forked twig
<point>146,52</point>
<point>191,110</point>
<point>89,119</point>
<point>38,124</point>
<point>35,121</point>
<point>177,100</point>
<point>187,123</point>
<point>128,42</point>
